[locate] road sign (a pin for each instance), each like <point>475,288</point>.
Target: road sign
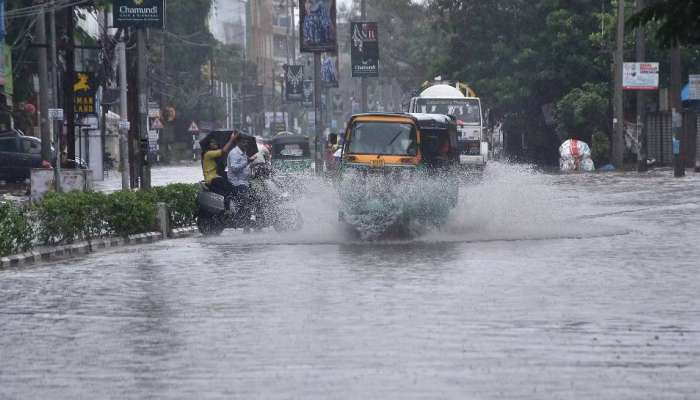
<point>56,114</point>
<point>193,127</point>
<point>640,76</point>
<point>694,87</point>
<point>124,125</point>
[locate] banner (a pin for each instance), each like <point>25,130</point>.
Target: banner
<point>640,76</point>
<point>364,49</point>
<point>139,13</point>
<point>329,70</point>
<point>308,99</point>
<point>84,91</point>
<point>317,26</point>
<point>293,82</point>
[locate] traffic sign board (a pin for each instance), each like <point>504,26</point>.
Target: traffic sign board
<point>193,127</point>
<point>56,114</point>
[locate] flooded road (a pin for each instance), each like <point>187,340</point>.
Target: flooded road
<point>542,287</point>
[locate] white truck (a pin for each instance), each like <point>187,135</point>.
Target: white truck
<point>446,99</point>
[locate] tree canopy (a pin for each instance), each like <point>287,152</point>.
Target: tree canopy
<point>678,21</point>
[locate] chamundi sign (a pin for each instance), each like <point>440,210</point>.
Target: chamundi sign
<point>139,13</point>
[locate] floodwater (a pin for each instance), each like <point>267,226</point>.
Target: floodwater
<point>541,287</point>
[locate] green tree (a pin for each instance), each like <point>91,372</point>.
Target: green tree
<point>677,21</point>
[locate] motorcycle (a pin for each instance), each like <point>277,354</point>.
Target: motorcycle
<point>266,205</point>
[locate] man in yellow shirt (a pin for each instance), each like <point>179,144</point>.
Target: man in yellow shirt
<point>215,182</point>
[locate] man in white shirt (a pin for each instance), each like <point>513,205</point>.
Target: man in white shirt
<point>239,169</point>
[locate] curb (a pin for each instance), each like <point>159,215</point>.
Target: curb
<point>83,248</point>
<point>183,232</point>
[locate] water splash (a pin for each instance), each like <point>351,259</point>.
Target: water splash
<point>509,202</point>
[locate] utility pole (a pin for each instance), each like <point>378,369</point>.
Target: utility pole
<point>54,60</point>
<point>641,97</point>
<point>68,104</point>
<point>677,113</point>
<point>141,70</point>
<point>124,117</point>
<point>618,142</point>
<point>317,113</point>
<point>56,125</point>
<point>43,87</point>
<point>363,80</point>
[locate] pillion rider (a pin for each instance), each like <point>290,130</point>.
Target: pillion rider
<point>210,159</point>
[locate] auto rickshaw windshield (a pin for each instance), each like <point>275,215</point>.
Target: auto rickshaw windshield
<point>383,138</point>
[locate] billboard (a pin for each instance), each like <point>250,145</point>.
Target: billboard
<point>84,91</point>
<point>329,70</point>
<point>139,13</point>
<point>293,82</point>
<point>640,76</point>
<point>364,49</point>
<point>317,26</point>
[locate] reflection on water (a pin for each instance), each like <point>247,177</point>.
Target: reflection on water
<point>541,286</point>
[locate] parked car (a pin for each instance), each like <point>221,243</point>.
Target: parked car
<point>18,155</point>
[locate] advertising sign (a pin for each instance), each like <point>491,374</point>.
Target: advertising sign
<point>364,49</point>
<point>329,70</point>
<point>694,87</point>
<point>139,13</point>
<point>84,90</point>
<point>640,76</point>
<point>56,114</point>
<point>308,99</point>
<point>293,82</point>
<point>317,26</point>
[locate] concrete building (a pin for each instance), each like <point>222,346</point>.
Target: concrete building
<point>228,22</point>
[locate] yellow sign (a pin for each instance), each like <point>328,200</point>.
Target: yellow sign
<point>84,90</point>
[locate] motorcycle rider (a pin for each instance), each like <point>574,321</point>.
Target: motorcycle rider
<point>209,166</point>
<point>239,172</point>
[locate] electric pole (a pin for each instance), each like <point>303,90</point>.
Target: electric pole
<point>141,70</point>
<point>124,117</point>
<point>677,113</point>
<point>69,79</point>
<point>56,125</point>
<point>317,113</point>
<point>363,80</point>
<point>618,142</point>
<point>43,86</point>
<point>641,98</point>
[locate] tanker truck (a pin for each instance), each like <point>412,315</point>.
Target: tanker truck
<point>441,98</point>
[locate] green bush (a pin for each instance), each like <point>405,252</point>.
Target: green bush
<point>67,217</point>
<point>129,213</point>
<point>181,200</point>
<point>16,233</point>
